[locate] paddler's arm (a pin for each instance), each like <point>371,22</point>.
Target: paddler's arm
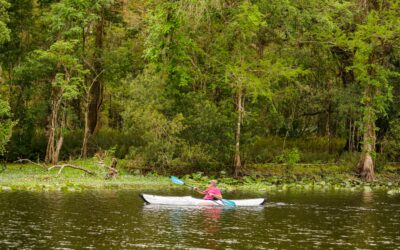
<point>198,190</point>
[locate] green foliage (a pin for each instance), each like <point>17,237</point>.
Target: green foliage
<point>310,75</point>
<point>206,133</point>
<point>4,31</point>
<point>379,30</point>
<point>241,62</point>
<point>349,159</point>
<point>57,67</point>
<point>157,134</point>
<point>391,144</point>
<point>6,124</point>
<point>168,45</point>
<point>311,149</point>
<point>117,142</point>
<point>289,157</point>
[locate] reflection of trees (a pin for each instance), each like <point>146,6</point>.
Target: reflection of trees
<point>21,218</point>
<point>190,226</point>
<point>369,218</point>
<point>365,221</point>
<point>368,198</point>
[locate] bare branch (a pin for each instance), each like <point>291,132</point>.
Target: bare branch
<point>29,161</point>
<point>95,78</point>
<point>89,65</point>
<point>93,81</point>
<point>70,166</point>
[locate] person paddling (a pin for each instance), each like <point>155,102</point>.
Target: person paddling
<point>212,192</point>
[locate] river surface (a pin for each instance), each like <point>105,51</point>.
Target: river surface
<point>120,220</point>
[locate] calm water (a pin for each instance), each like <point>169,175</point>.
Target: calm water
<point>119,220</point>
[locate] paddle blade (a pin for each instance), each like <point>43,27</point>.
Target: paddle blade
<point>228,203</point>
<point>175,180</point>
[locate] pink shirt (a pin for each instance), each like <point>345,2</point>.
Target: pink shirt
<point>209,191</point>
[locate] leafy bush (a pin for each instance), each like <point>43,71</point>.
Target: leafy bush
<point>349,159</point>
<point>6,124</point>
<point>157,134</point>
<point>32,144</point>
<point>289,157</point>
<point>391,143</point>
<point>208,127</point>
<point>311,150</point>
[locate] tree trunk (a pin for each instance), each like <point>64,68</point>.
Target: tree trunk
<point>328,129</point>
<point>351,136</point>
<point>60,140</point>
<point>96,91</point>
<point>86,133</point>
<point>366,162</point>
<point>239,107</point>
<point>50,141</point>
<point>96,94</point>
<point>56,97</point>
<point>58,148</point>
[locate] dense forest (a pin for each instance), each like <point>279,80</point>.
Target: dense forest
<point>201,85</point>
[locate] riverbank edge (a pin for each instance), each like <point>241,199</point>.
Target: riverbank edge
<point>27,177</point>
<point>163,183</point>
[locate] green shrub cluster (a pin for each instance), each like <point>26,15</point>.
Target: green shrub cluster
<point>293,150</point>
<point>32,145</point>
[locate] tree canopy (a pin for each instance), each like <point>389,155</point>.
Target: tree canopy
<point>202,85</point>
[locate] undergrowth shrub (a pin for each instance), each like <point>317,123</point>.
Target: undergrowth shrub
<point>33,145</point>
<point>289,156</point>
<point>310,150</point>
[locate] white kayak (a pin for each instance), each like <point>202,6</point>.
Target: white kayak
<point>190,201</point>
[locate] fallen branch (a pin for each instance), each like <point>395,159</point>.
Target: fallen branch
<point>29,161</point>
<point>70,166</point>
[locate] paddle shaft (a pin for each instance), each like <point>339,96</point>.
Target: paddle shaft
<point>193,188</point>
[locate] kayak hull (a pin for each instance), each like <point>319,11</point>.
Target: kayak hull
<point>190,201</point>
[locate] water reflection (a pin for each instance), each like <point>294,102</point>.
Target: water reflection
<point>212,214</point>
<point>212,226</point>
<point>209,217</point>
<point>368,197</point>
<point>115,220</point>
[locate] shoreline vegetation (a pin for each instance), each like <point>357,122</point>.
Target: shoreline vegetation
<point>259,178</point>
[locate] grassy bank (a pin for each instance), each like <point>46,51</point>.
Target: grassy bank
<point>260,178</point>
<point>36,178</point>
